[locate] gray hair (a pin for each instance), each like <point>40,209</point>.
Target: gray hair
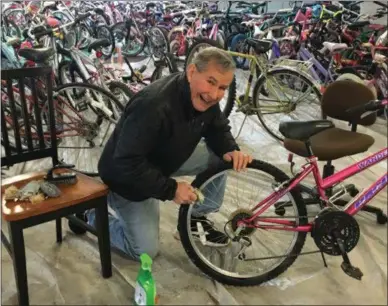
<point>216,55</point>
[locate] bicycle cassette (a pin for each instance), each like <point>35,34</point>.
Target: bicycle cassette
<point>239,215</point>
<point>330,220</point>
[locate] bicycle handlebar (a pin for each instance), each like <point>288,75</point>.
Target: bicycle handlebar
<point>381,4</point>
<point>45,32</point>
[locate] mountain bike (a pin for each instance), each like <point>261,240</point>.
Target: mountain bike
<point>334,229</point>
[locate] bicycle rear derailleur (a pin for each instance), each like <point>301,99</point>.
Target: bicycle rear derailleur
<point>337,233</point>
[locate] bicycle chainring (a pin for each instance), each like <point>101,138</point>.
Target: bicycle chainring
<point>238,215</point>
<point>330,220</point>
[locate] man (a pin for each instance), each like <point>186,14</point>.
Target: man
<point>158,137</point>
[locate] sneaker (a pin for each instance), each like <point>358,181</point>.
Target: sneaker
<point>203,229</point>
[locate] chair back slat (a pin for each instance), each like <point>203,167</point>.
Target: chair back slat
<point>14,117</point>
<point>37,113</point>
<point>28,127</point>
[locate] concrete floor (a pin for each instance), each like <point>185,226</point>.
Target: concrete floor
<point>69,274</point>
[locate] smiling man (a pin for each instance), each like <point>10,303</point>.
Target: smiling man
<point>173,127</point>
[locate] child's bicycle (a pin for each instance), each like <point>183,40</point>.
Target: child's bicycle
<point>334,229</point>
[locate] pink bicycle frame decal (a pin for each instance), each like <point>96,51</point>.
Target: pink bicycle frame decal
<point>354,169</point>
<point>367,195</point>
<point>321,184</point>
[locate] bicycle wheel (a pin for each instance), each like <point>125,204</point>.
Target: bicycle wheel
<point>104,31</point>
<point>289,95</point>
<point>133,39</point>
<point>121,92</point>
<point>222,262</point>
<point>84,123</point>
<point>226,104</point>
<point>158,43</point>
<point>166,67</point>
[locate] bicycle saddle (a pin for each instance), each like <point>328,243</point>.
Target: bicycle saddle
<point>358,24</point>
<point>333,47</point>
<point>303,130</point>
<point>260,46</point>
<point>99,43</point>
<point>38,55</point>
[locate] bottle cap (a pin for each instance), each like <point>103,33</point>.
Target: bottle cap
<point>146,261</point>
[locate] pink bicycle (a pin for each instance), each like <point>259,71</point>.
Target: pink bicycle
<point>334,229</point>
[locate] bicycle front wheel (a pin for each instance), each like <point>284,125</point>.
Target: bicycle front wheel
<point>285,94</point>
<point>228,199</point>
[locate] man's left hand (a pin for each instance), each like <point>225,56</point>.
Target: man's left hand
<point>240,159</point>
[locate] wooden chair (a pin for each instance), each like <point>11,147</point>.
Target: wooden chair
<point>86,193</point>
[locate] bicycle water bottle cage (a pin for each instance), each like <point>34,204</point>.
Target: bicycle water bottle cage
<point>61,178</point>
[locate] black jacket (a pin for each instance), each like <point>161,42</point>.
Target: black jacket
<point>156,134</point>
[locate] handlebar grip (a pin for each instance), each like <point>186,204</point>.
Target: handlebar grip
<point>381,4</point>
<point>38,33</point>
<point>216,12</point>
<point>81,17</point>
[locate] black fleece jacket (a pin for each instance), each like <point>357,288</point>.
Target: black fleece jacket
<point>156,134</point>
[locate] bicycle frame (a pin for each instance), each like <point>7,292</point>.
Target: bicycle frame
<point>362,199</point>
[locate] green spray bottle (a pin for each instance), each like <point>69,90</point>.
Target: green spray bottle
<point>145,290</point>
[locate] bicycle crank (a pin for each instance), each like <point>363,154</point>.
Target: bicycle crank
<point>337,233</point>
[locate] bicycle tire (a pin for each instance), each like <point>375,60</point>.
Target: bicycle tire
<point>111,39</point>
<point>122,86</point>
<point>183,216</point>
<point>15,26</point>
<point>262,79</point>
<point>172,66</point>
<point>164,35</point>
<point>127,33</point>
<point>232,88</point>
<point>100,115</point>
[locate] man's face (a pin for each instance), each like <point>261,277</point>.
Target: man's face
<point>208,87</point>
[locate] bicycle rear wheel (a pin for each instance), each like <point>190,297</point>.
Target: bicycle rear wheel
<point>86,115</point>
<point>222,262</point>
<point>289,95</point>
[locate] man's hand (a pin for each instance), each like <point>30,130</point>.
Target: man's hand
<point>185,194</point>
<point>240,159</point>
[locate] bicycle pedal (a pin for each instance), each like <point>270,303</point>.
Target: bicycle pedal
<point>82,106</point>
<point>352,271</point>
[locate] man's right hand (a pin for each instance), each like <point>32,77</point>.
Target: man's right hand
<point>184,194</point>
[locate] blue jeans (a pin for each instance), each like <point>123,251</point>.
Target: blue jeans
<point>136,228</point>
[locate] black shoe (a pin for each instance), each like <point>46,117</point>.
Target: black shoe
<point>207,233</point>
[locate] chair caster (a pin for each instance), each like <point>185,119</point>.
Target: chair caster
<point>382,218</point>
<point>75,228</point>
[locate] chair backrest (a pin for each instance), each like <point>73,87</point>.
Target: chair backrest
<point>27,116</point>
<point>342,95</point>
